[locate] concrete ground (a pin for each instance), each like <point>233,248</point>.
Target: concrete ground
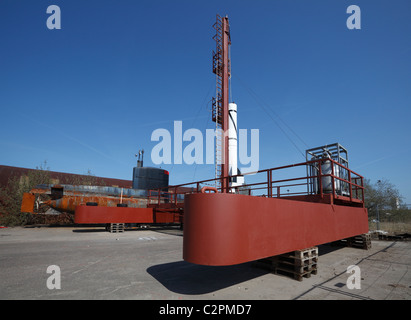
<point>147,264</point>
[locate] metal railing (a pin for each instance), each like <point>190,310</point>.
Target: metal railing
<point>337,180</point>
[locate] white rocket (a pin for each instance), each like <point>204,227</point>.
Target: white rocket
<point>232,147</point>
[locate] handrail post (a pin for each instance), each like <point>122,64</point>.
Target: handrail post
<point>269,184</point>
<point>349,179</point>
<point>362,191</point>
<point>320,178</point>
<point>332,178</point>
<point>175,196</point>
<point>222,184</point>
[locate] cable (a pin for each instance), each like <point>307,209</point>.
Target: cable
<point>208,118</point>
<point>261,105</point>
<point>202,104</point>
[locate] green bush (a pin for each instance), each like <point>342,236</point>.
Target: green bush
<point>11,196</point>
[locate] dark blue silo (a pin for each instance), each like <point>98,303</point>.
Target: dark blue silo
<point>150,178</point>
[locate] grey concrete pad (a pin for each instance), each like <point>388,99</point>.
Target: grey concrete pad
<point>148,264</point>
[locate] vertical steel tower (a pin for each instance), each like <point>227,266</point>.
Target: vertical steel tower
<point>221,67</point>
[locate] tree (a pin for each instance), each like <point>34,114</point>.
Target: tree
<point>382,194</point>
<point>385,204</point>
<point>12,195</point>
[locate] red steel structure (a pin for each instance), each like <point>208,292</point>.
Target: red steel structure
<point>267,216</point>
<point>268,220</point>
<point>235,225</point>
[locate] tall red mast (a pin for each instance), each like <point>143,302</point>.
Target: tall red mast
<point>221,67</point>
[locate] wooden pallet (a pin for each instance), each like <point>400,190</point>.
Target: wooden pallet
<point>297,264</point>
<point>301,255</point>
<point>362,241</point>
<point>395,237</point>
<point>298,274</point>
<point>116,227</point>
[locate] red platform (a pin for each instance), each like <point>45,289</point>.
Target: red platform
<point>225,229</point>
<point>100,214</point>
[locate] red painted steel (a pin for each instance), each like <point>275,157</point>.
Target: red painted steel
<point>221,67</point>
<point>102,214</point>
<point>265,185</point>
<point>225,229</point>
<point>99,214</point>
<point>226,75</point>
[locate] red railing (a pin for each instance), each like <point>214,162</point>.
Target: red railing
<point>324,176</point>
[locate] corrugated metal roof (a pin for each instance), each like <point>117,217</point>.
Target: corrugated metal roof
<point>7,172</point>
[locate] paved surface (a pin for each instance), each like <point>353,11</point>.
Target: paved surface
<point>147,264</point>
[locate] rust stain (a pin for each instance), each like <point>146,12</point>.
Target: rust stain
<point>69,203</point>
<point>27,204</point>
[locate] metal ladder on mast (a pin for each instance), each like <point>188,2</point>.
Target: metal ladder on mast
<point>217,103</point>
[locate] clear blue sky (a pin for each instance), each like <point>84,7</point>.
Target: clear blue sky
<point>88,96</point>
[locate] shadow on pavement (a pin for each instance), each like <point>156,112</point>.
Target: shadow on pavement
<point>191,279</point>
